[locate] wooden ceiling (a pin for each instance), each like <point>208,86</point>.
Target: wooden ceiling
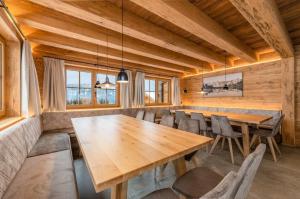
<point>169,36</point>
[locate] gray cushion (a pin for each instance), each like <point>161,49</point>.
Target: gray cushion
<point>33,130</point>
<point>162,194</point>
<point>45,177</point>
<point>49,143</point>
<point>13,152</point>
<point>197,182</point>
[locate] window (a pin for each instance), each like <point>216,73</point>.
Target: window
<point>81,92</point>
<point>1,76</point>
<point>79,87</point>
<point>106,95</point>
<point>150,88</point>
<point>157,91</point>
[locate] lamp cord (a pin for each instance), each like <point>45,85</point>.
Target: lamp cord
<point>122,33</point>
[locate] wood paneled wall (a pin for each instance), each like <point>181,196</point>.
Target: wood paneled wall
<point>266,86</point>
<point>297,94</point>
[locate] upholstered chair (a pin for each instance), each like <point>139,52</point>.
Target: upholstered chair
<point>221,126</point>
<point>149,116</point>
<point>140,115</point>
<point>204,183</point>
<point>269,135</point>
<point>165,112</point>
<point>178,116</point>
<point>167,120</point>
<point>204,128</point>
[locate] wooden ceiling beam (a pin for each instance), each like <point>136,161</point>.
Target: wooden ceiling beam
<point>265,18</point>
<point>108,15</point>
<point>78,29</point>
<point>91,60</point>
<point>89,48</point>
<point>185,15</point>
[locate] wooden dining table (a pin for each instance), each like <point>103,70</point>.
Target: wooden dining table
<point>238,119</point>
<point>117,147</point>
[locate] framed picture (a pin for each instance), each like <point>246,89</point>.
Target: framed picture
<point>214,86</point>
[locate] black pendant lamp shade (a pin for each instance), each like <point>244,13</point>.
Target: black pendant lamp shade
<point>97,84</point>
<point>122,76</point>
<point>225,87</point>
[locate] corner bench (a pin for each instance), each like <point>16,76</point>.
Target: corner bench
<point>36,165</point>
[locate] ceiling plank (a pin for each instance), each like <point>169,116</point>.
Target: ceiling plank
<point>265,18</point>
<point>109,16</point>
<point>73,57</point>
<point>78,29</point>
<point>188,17</point>
<point>91,49</point>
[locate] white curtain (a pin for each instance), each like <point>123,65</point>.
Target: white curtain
<point>31,101</point>
<point>139,90</point>
<point>54,98</point>
<point>176,101</point>
<point>126,92</point>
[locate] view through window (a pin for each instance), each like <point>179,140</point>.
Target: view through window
<point>1,73</point>
<point>106,95</point>
<point>157,91</point>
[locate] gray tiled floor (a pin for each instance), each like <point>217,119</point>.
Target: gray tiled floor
<point>279,180</point>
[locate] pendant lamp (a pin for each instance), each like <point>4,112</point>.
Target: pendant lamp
<point>97,84</point>
<point>225,85</point>
<point>203,91</point>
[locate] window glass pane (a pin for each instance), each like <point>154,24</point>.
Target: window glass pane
<point>1,75</point>
<point>163,92</point>
<point>72,79</point>
<point>72,96</point>
<point>147,97</point>
<point>106,95</point>
<point>111,96</point>
<point>85,80</point>
<point>146,85</point>
<point>152,97</point>
<point>152,85</point>
<point>101,78</point>
<point>85,96</point>
<point>101,96</point>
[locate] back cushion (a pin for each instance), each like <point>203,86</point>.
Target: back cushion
<point>13,152</point>
<point>33,130</point>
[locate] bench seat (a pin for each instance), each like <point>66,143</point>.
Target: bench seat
<point>50,143</point>
<point>44,177</point>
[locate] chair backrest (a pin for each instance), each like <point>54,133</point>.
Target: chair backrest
<point>140,115</point>
<point>224,189</point>
<point>215,124</point>
<point>200,117</point>
<point>179,115</point>
<point>164,112</point>
<point>167,120</point>
<point>149,116</point>
<point>226,128</point>
<point>278,123</point>
<point>246,174</point>
<point>189,125</point>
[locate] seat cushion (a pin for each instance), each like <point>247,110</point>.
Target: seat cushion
<point>49,143</point>
<point>262,132</point>
<point>162,194</point>
<point>13,152</point>
<point>33,130</point>
<point>197,182</point>
<point>45,177</point>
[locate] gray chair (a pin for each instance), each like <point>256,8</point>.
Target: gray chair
<point>165,112</point>
<point>178,116</point>
<point>167,120</point>
<point>221,126</point>
<point>204,183</point>
<point>204,128</point>
<point>140,115</point>
<point>149,116</point>
<point>191,126</point>
<point>269,135</point>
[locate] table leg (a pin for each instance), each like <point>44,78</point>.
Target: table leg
<point>246,144</point>
<point>119,191</point>
<point>180,166</point>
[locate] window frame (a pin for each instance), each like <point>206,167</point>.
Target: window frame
<point>94,103</point>
<point>156,90</point>
<point>2,109</point>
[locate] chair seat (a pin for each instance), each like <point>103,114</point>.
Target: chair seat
<point>197,182</point>
<point>262,132</point>
<point>162,194</point>
<point>50,143</point>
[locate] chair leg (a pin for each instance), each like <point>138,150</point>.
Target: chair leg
<point>276,146</point>
<point>239,145</point>
<point>272,148</point>
<point>215,144</point>
<point>231,150</point>
<point>223,142</point>
<point>253,140</point>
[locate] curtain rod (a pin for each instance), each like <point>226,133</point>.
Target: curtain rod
<point>3,5</point>
<point>82,62</point>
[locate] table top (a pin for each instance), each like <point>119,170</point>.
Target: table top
<point>118,147</point>
<point>236,117</point>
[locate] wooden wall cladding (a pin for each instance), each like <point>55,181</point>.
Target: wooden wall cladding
<point>262,88</point>
<point>297,94</point>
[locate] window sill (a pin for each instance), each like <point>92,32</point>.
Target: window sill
<point>9,121</point>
